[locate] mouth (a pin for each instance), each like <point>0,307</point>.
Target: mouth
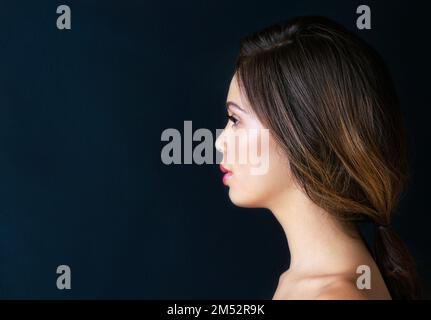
<point>227,174</point>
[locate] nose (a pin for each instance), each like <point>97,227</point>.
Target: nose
<point>220,143</point>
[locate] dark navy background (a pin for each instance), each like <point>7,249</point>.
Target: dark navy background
<point>81,115</point>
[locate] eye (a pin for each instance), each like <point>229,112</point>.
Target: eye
<point>233,119</point>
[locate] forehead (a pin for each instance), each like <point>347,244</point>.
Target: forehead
<point>235,94</point>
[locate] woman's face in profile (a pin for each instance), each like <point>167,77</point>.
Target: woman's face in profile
<point>259,170</point>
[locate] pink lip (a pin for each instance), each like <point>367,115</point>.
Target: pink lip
<point>227,175</point>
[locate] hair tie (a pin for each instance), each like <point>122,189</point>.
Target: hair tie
<point>382,226</point>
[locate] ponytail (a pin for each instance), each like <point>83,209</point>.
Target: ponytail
<point>396,264</point>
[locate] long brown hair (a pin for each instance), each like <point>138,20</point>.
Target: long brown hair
<point>330,103</point>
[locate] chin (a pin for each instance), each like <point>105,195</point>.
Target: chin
<point>242,200</point>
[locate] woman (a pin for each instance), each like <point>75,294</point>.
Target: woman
<point>336,156</point>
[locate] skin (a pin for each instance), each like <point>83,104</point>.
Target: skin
<point>324,257</point>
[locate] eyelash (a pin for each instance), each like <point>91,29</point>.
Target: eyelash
<point>233,119</point>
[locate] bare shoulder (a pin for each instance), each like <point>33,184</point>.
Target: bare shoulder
<point>341,290</point>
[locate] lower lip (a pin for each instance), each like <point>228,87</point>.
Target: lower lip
<point>226,177</point>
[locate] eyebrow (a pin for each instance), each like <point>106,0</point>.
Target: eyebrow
<point>233,104</point>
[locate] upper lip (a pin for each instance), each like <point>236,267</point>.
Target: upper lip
<point>223,169</point>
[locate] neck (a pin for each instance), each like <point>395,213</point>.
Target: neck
<point>318,243</point>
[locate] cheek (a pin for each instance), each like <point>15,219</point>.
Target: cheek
<point>263,176</point>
